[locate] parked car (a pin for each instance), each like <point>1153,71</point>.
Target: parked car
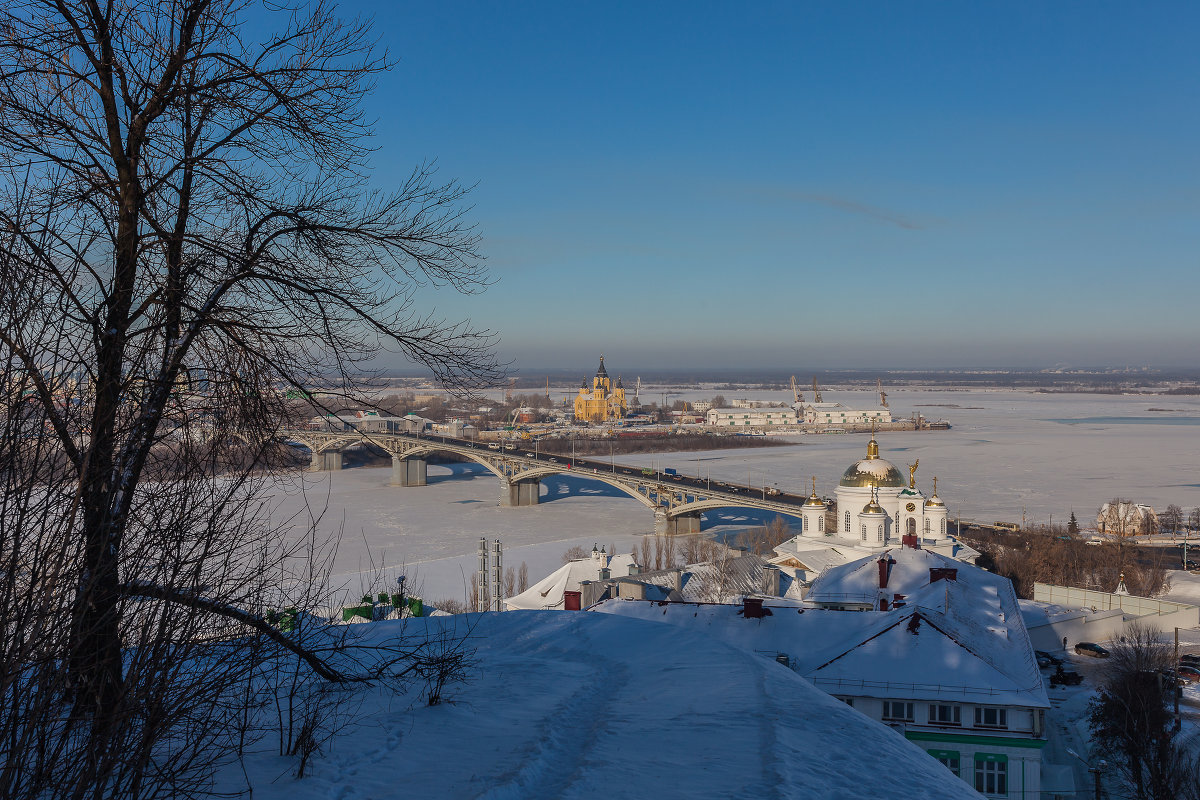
<point>1188,672</point>
<point>1091,649</point>
<point>1178,678</point>
<point>1188,658</point>
<point>1050,658</point>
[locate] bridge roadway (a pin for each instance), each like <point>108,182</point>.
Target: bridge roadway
<point>676,500</point>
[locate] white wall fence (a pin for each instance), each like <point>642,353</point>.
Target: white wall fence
<point>1103,615</point>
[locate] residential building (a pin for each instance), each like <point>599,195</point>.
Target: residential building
<point>932,647</point>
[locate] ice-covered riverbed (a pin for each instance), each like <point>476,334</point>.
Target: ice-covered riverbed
<point>1008,453</point>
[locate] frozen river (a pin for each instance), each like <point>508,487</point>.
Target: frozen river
<point>1009,454</point>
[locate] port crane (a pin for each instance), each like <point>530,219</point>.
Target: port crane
<point>797,395</point>
<point>882,393</point>
<point>816,391</point>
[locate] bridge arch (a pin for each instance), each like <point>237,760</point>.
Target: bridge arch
<point>700,506</point>
<point>542,472</point>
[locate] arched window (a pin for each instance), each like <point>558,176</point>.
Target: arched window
<point>864,533</point>
<point>911,525</point>
<point>880,534</point>
<point>943,527</point>
<point>806,523</point>
<point>847,522</point>
<point>927,525</point>
<point>821,523</point>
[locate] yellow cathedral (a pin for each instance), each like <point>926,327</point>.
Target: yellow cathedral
<point>601,403</point>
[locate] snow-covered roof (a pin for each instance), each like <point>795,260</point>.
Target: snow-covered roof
<point>963,637</point>
<point>724,580</point>
<point>576,705</point>
<point>548,592</point>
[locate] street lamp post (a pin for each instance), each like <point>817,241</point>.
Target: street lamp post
<point>1099,767</point>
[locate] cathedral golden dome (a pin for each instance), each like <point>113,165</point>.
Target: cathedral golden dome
<point>873,507</point>
<point>872,472</point>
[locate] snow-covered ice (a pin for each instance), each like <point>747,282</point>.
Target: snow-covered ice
<point>1008,454</point>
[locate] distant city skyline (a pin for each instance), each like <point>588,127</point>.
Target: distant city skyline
<point>874,185</point>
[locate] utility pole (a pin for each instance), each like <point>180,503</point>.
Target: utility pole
<point>482,602</point>
<point>497,579</point>
<point>1175,689</point>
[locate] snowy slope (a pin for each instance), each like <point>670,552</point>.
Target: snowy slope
<point>575,705</point>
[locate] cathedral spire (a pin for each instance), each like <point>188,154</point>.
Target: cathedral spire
<point>872,446</point>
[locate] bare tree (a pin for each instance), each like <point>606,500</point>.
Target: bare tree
<point>523,577</point>
<point>182,234</point>
<point>574,554</point>
<point>1172,518</point>
<point>1131,717</point>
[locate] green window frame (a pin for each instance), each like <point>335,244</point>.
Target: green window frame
<point>950,759</point>
<point>991,774</point>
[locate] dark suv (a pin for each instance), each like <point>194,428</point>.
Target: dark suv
<point>1091,649</point>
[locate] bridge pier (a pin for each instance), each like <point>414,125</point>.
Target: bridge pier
<point>684,523</point>
<point>326,460</point>
<point>522,493</point>
<point>409,472</point>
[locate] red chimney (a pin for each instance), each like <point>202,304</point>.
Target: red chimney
<point>753,608</point>
<point>885,567</point>
<point>942,573</point>
<point>910,540</point>
<point>571,601</point>
<point>883,604</point>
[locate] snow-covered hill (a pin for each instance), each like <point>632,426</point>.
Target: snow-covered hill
<point>578,705</point>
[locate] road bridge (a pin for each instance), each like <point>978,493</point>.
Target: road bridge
<point>676,500</point>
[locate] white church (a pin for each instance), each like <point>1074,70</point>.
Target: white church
<point>876,509</point>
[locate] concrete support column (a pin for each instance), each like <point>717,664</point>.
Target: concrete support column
<point>684,523</point>
<point>333,460</point>
<point>660,522</point>
<point>318,462</point>
<point>409,471</point>
<point>522,493</point>
<point>530,492</point>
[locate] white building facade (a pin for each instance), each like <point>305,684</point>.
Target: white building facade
<point>751,417</point>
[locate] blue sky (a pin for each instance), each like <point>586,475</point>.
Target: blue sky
<point>813,185</point>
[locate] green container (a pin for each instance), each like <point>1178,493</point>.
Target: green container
<point>416,608</point>
<point>350,612</point>
<point>289,620</point>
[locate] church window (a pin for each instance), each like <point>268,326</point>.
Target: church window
<point>927,525</point>
<point>943,527</point>
<point>879,534</point>
<point>911,525</point>
<point>864,533</point>
<point>806,523</point>
<point>847,522</point>
<point>821,523</point>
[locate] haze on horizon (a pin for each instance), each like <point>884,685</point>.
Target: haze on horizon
<point>876,185</point>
